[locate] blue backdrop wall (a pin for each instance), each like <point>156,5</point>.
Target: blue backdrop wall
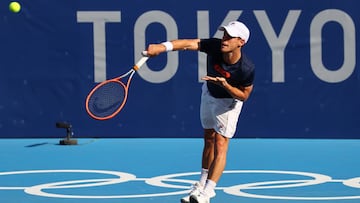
<point>53,52</point>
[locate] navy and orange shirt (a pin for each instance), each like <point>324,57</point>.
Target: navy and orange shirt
<point>240,74</point>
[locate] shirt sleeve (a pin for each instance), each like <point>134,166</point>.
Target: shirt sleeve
<point>210,46</point>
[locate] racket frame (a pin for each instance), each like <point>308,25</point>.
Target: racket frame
<point>131,72</point>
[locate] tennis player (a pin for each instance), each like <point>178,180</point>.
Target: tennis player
<point>229,82</point>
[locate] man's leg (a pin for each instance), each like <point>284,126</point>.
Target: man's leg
<point>207,158</point>
<point>209,148</point>
<point>218,164</point>
<point>207,155</point>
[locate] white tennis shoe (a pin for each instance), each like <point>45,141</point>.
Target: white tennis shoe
<point>195,190</point>
<point>202,197</point>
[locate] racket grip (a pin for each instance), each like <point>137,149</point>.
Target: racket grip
<point>140,62</point>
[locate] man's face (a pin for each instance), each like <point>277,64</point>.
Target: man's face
<point>229,43</point>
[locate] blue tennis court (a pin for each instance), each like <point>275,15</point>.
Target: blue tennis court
<point>161,170</point>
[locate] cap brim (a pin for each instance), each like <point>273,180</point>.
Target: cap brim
<point>224,28</point>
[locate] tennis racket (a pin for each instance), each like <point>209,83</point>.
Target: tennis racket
<point>107,98</point>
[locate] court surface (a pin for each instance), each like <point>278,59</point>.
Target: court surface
<point>161,170</point>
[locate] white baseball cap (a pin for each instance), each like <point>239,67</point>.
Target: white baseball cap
<point>236,29</point>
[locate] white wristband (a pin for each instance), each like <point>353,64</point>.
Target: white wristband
<point>169,46</point>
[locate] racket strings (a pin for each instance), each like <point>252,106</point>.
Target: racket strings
<point>107,100</point>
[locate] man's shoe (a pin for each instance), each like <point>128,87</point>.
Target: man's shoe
<point>195,190</point>
<point>201,198</point>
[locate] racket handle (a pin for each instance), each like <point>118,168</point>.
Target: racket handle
<point>140,62</point>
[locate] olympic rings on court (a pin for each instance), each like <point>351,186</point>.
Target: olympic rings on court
<point>181,186</point>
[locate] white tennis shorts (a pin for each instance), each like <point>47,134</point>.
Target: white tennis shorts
<point>220,114</point>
